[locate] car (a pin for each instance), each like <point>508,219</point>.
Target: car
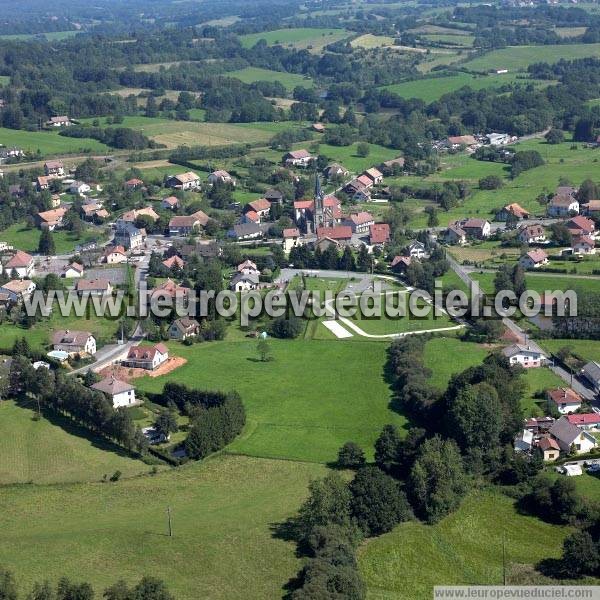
<point>593,468</point>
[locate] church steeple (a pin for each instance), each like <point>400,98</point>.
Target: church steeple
<point>318,191</point>
<point>318,216</point>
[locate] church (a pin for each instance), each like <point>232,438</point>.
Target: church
<point>322,211</point>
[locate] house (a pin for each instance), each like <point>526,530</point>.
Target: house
<point>584,245</point>
<point>42,183</point>
<point>93,287</point>
<point>184,181</point>
<point>530,234</point>
<point>587,421</point>
<point>74,342</point>
<point>362,195</point>
<point>245,231</point>
<point>169,290</point>
<point>274,196</point>
<point>51,219</point>
<point>291,236</point>
<point>79,188</point>
<point>379,234</point>
<point>365,181</point>
<point>564,202</point>
<point>570,438</point>
<point>525,356</point>
<point>133,184</point>
<point>55,200</point>
<point>498,139</point>
<point>128,235</point>
<point>549,448</point>
<point>131,215</point>
<point>248,268</point>
<point>325,242</point>
<point>375,175</point>
<point>21,264</point>
<point>565,400</point>
<point>318,127</point>
<point>339,233</point>
<point>182,329</point>
<point>114,255</point>
<point>94,212</point>
<point>146,357</point>
<point>539,424</point>
<point>513,210</point>
<point>416,250</point>
<point>60,121</point>
<point>17,290</point>
<point>334,171</point>
<point>524,441</point>
<point>399,264</point>
<point>298,158</point>
<point>220,176</point>
<point>456,141</point>
<point>534,259</point>
<point>54,168</point>
<point>72,271</point>
<point>476,228</point>
<point>359,222</point>
<point>591,208</point>
<point>174,262</point>
<point>455,235</point>
<point>250,216</point>
<point>581,225</point>
<point>591,372</point>
<point>354,186</point>
<point>170,203</point>
<point>119,392</point>
<point>262,208</point>
<point>187,224</point>
<point>243,282</point>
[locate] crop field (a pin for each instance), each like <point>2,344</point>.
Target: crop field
<point>224,511</point>
<point>53,450</point>
<point>406,563</point>
<point>433,88</point>
<point>252,74</point>
<point>49,142</point>
<point>566,32</point>
<point>296,409</point>
<point>302,38</point>
<point>518,58</point>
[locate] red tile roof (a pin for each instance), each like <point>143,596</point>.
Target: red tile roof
<point>584,419</point>
<point>564,396</point>
<point>339,232</point>
<point>379,233</point>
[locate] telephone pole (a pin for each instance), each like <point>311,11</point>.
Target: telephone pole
<point>503,558</point>
<point>170,523</point>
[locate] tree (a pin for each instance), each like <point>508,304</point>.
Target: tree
<point>46,244</point>
<point>351,456</point>
<point>580,554</point>
<point>386,448</point>
<point>286,328</point>
<point>363,149</point>
<point>587,191</point>
<point>166,422</point>
<point>8,587</point>
<point>378,503</point>
<point>151,107</point>
<point>151,588</point>
<point>555,136</point>
<point>43,591</point>
<point>490,182</point>
<point>264,350</point>
<point>560,234</point>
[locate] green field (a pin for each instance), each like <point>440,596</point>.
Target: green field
<point>369,40</point>
<point>296,407</point>
<point>432,88</point>
<point>464,548</point>
<point>518,58</point>
<point>542,282</point>
<point>587,350</point>
<point>538,380</point>
<point>466,41</point>
<point>346,155</point>
<point>52,36</point>
<point>49,142</point>
<point>223,513</point>
<point>252,74</point>
<point>311,38</point>
<point>53,451</point>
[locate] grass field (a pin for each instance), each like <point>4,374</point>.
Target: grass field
<point>49,142</point>
<point>53,451</point>
<point>538,380</point>
<point>587,350</point>
<point>302,38</point>
<point>296,408</point>
<point>52,36</point>
<point>464,548</point>
<point>518,58</point>
<point>541,282</point>
<point>368,40</point>
<point>252,74</point>
<point>465,41</point>
<point>433,88</point>
<point>346,155</point>
<point>223,513</point>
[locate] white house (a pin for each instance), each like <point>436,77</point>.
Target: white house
<point>534,259</point>
<point>584,245</point>
<point>248,268</point>
<point>17,290</point>
<point>184,181</point>
<point>416,249</point>
<point>146,357</point>
<point>529,234</point>
<point>20,263</point>
<point>525,356</point>
<point>79,188</point>
<point>241,282</point>
<point>120,392</point>
<point>498,139</point>
<point>298,158</point>
<point>565,400</point>
<point>114,255</point>
<point>72,271</point>
<point>291,237</point>
<point>564,203</point>
<point>570,437</point>
<point>74,341</point>
<point>220,176</point>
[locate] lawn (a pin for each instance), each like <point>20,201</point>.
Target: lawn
<point>223,511</point>
<point>347,156</point>
<point>302,38</point>
<point>296,407</point>
<point>586,350</point>
<point>463,549</point>
<point>538,381</point>
<point>252,74</point>
<point>518,58</point>
<point>49,142</point>
<point>432,88</point>
<point>541,282</point>
<point>53,450</point>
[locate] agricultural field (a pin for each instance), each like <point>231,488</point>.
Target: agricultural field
<point>51,36</point>
<point>252,74</point>
<point>52,450</point>
<point>296,409</point>
<point>440,57</point>
<point>369,40</point>
<point>301,38</point>
<point>49,142</point>
<point>347,156</point>
<point>464,41</point>
<point>224,511</point>
<point>586,350</point>
<point>518,58</point>
<point>541,282</point>
<point>406,563</point>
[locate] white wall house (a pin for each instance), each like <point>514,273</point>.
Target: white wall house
<point>518,354</point>
<point>120,392</point>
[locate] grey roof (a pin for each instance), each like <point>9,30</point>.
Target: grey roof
<point>564,431</point>
<point>518,349</point>
<point>244,229</point>
<point>252,277</point>
<point>112,386</point>
<point>592,371</point>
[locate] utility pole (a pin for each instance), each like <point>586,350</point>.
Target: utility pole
<point>170,523</point>
<point>503,558</point>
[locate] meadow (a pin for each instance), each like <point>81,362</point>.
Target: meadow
<point>223,511</point>
<point>348,157</point>
<point>301,38</point>
<point>296,408</point>
<point>52,450</point>
<point>52,36</point>
<point>542,282</point>
<point>49,142</point>
<point>289,80</point>
<point>464,548</point>
<point>368,40</point>
<point>586,350</point>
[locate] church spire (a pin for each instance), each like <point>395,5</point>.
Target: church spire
<point>318,191</point>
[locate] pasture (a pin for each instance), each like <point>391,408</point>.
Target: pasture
<point>223,511</point>
<point>347,155</point>
<point>586,350</point>
<point>52,450</point>
<point>301,38</point>
<point>368,40</point>
<point>252,74</point>
<point>296,407</point>
<point>49,142</point>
